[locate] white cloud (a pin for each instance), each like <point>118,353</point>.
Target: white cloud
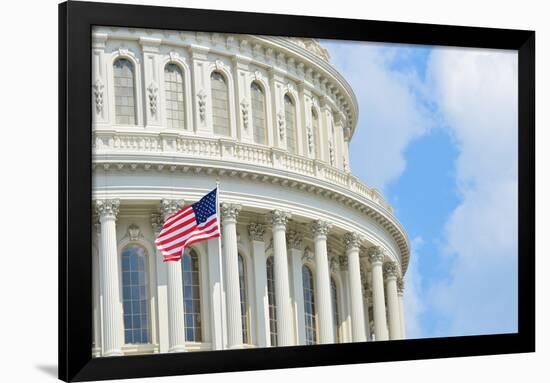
<point>476,91</point>
<point>390,114</point>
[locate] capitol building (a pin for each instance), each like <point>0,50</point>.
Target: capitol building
<point>309,253</point>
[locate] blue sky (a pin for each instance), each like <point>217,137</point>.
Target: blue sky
<point>437,135</point>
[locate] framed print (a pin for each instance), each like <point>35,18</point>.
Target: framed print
<point>247,191</point>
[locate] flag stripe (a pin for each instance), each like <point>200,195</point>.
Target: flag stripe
<point>178,219</point>
<point>167,247</point>
<point>182,235</point>
<point>178,229</point>
<point>191,224</point>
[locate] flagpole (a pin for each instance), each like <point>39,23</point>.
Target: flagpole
<point>220,258</point>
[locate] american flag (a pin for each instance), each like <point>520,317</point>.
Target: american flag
<point>195,223</point>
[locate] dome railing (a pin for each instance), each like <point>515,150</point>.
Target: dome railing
<point>106,142</point>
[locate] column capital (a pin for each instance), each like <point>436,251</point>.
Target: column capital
<point>294,239</point>
<point>170,206</point>
<point>390,270</point>
<point>375,254</point>
<point>352,241</point>
<point>308,255</point>
<point>156,223</point>
<point>280,217</point>
<point>320,228</point>
<point>256,232</point>
<point>107,208</point>
<point>230,211</point>
<point>400,285</point>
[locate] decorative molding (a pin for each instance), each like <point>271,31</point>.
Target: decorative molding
<point>280,217</point>
<point>309,131</point>
<point>375,254</point>
<point>256,232</point>
<point>156,223</point>
<point>320,228</point>
<point>123,52</point>
<point>294,239</point>
<point>174,56</point>
<point>334,263</point>
<point>133,233</point>
<point>98,95</point>
<point>152,93</point>
<point>201,97</point>
<point>230,211</point>
<point>245,111</point>
<point>220,66</point>
<point>353,241</point>
<point>331,152</point>
<point>391,270</point>
<point>281,124</point>
<point>308,255</point>
<point>343,262</point>
<point>107,208</point>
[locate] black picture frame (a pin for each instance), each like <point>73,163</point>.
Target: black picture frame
<point>75,212</point>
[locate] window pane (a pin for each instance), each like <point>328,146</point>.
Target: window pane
<point>290,122</point>
<point>244,300</point>
<point>220,104</point>
<point>124,92</point>
<point>173,85</point>
<point>271,301</point>
<point>134,295</point>
<point>258,114</point>
<point>191,292</point>
<point>309,306</point>
<point>335,312</point>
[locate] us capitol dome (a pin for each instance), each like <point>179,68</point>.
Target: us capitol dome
<point>310,254</point>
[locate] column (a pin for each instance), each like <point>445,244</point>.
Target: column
<point>352,242</point>
<point>176,311</point>
<point>322,282</point>
<point>108,263</point>
<point>216,291</point>
<point>346,299</point>
<point>400,290</point>
<point>256,233</point>
<point>294,243</point>
<point>229,213</point>
<point>96,297</point>
<point>279,220</point>
<point>390,275</point>
<point>376,258</point>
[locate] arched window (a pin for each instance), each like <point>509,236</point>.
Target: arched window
<point>315,132</point>
<point>125,105</point>
<point>135,295</point>
<point>271,301</point>
<point>191,296</point>
<point>309,306</point>
<point>258,113</point>
<point>290,122</point>
<point>335,312</point>
<point>220,104</point>
<point>173,88</point>
<point>244,300</point>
